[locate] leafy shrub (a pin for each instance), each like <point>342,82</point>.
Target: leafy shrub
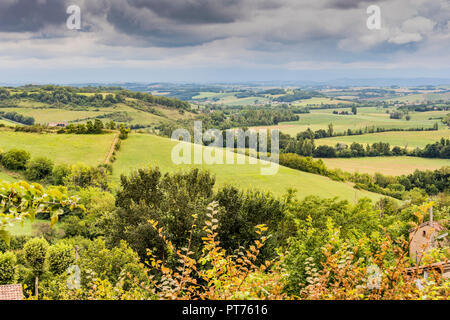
<point>7,268</point>
<point>84,176</point>
<point>59,173</point>
<point>60,257</point>
<point>38,169</point>
<point>15,159</point>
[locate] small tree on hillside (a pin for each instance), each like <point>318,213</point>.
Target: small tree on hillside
<point>35,251</point>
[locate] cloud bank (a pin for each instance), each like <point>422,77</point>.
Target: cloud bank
<point>178,36</point>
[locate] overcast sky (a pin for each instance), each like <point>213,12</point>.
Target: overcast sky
<point>222,40</point>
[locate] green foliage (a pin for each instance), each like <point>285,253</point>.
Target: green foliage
<point>20,201</point>
<point>7,268</point>
<point>38,169</point>
<point>35,251</point>
<point>88,128</point>
<point>15,159</point>
<point>123,132</point>
<point>99,206</point>
<point>172,199</point>
<point>240,212</point>
<point>311,223</point>
<point>60,257</point>
<point>119,264</point>
<point>59,174</point>
<point>83,176</point>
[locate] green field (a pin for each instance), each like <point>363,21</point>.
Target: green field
<point>386,165</point>
<point>44,113</point>
<point>317,101</point>
<point>142,150</point>
<point>61,148</point>
<point>366,117</point>
<point>230,99</point>
<point>421,97</point>
<point>411,139</point>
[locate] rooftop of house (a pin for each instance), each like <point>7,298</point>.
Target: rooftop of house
<point>436,225</point>
<point>11,292</point>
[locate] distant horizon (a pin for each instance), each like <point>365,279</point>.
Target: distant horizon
<point>381,81</point>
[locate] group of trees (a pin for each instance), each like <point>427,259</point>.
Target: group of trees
<point>248,117</point>
<point>439,149</point>
<point>130,245</point>
<point>330,132</point>
<point>161,100</point>
<point>14,116</point>
<point>298,94</point>
<point>91,97</point>
<point>446,120</point>
<point>304,144</point>
<point>90,127</point>
<point>70,96</point>
<point>422,182</point>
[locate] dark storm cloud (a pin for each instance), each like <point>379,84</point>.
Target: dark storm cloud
<point>350,4</point>
<point>195,11</point>
<point>179,22</point>
<point>31,15</point>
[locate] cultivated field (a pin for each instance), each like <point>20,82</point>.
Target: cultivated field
<point>411,139</point>
<point>142,150</point>
<point>366,117</point>
<point>387,165</point>
<point>421,97</point>
<point>317,101</point>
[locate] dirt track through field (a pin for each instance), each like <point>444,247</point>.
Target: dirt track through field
<point>111,150</point>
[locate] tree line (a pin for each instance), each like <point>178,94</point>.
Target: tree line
<point>14,116</point>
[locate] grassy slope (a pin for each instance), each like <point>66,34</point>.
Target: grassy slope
<point>5,176</point>
<point>412,139</point>
<point>62,148</point>
<point>141,150</point>
<point>386,165</point>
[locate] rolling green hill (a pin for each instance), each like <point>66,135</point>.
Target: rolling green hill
<point>68,104</point>
<point>61,148</point>
<point>141,150</point>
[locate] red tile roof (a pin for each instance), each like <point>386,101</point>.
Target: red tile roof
<point>11,292</point>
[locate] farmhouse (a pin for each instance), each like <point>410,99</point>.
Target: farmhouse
<point>58,124</point>
<point>424,238</point>
<point>11,292</point>
<point>428,235</point>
